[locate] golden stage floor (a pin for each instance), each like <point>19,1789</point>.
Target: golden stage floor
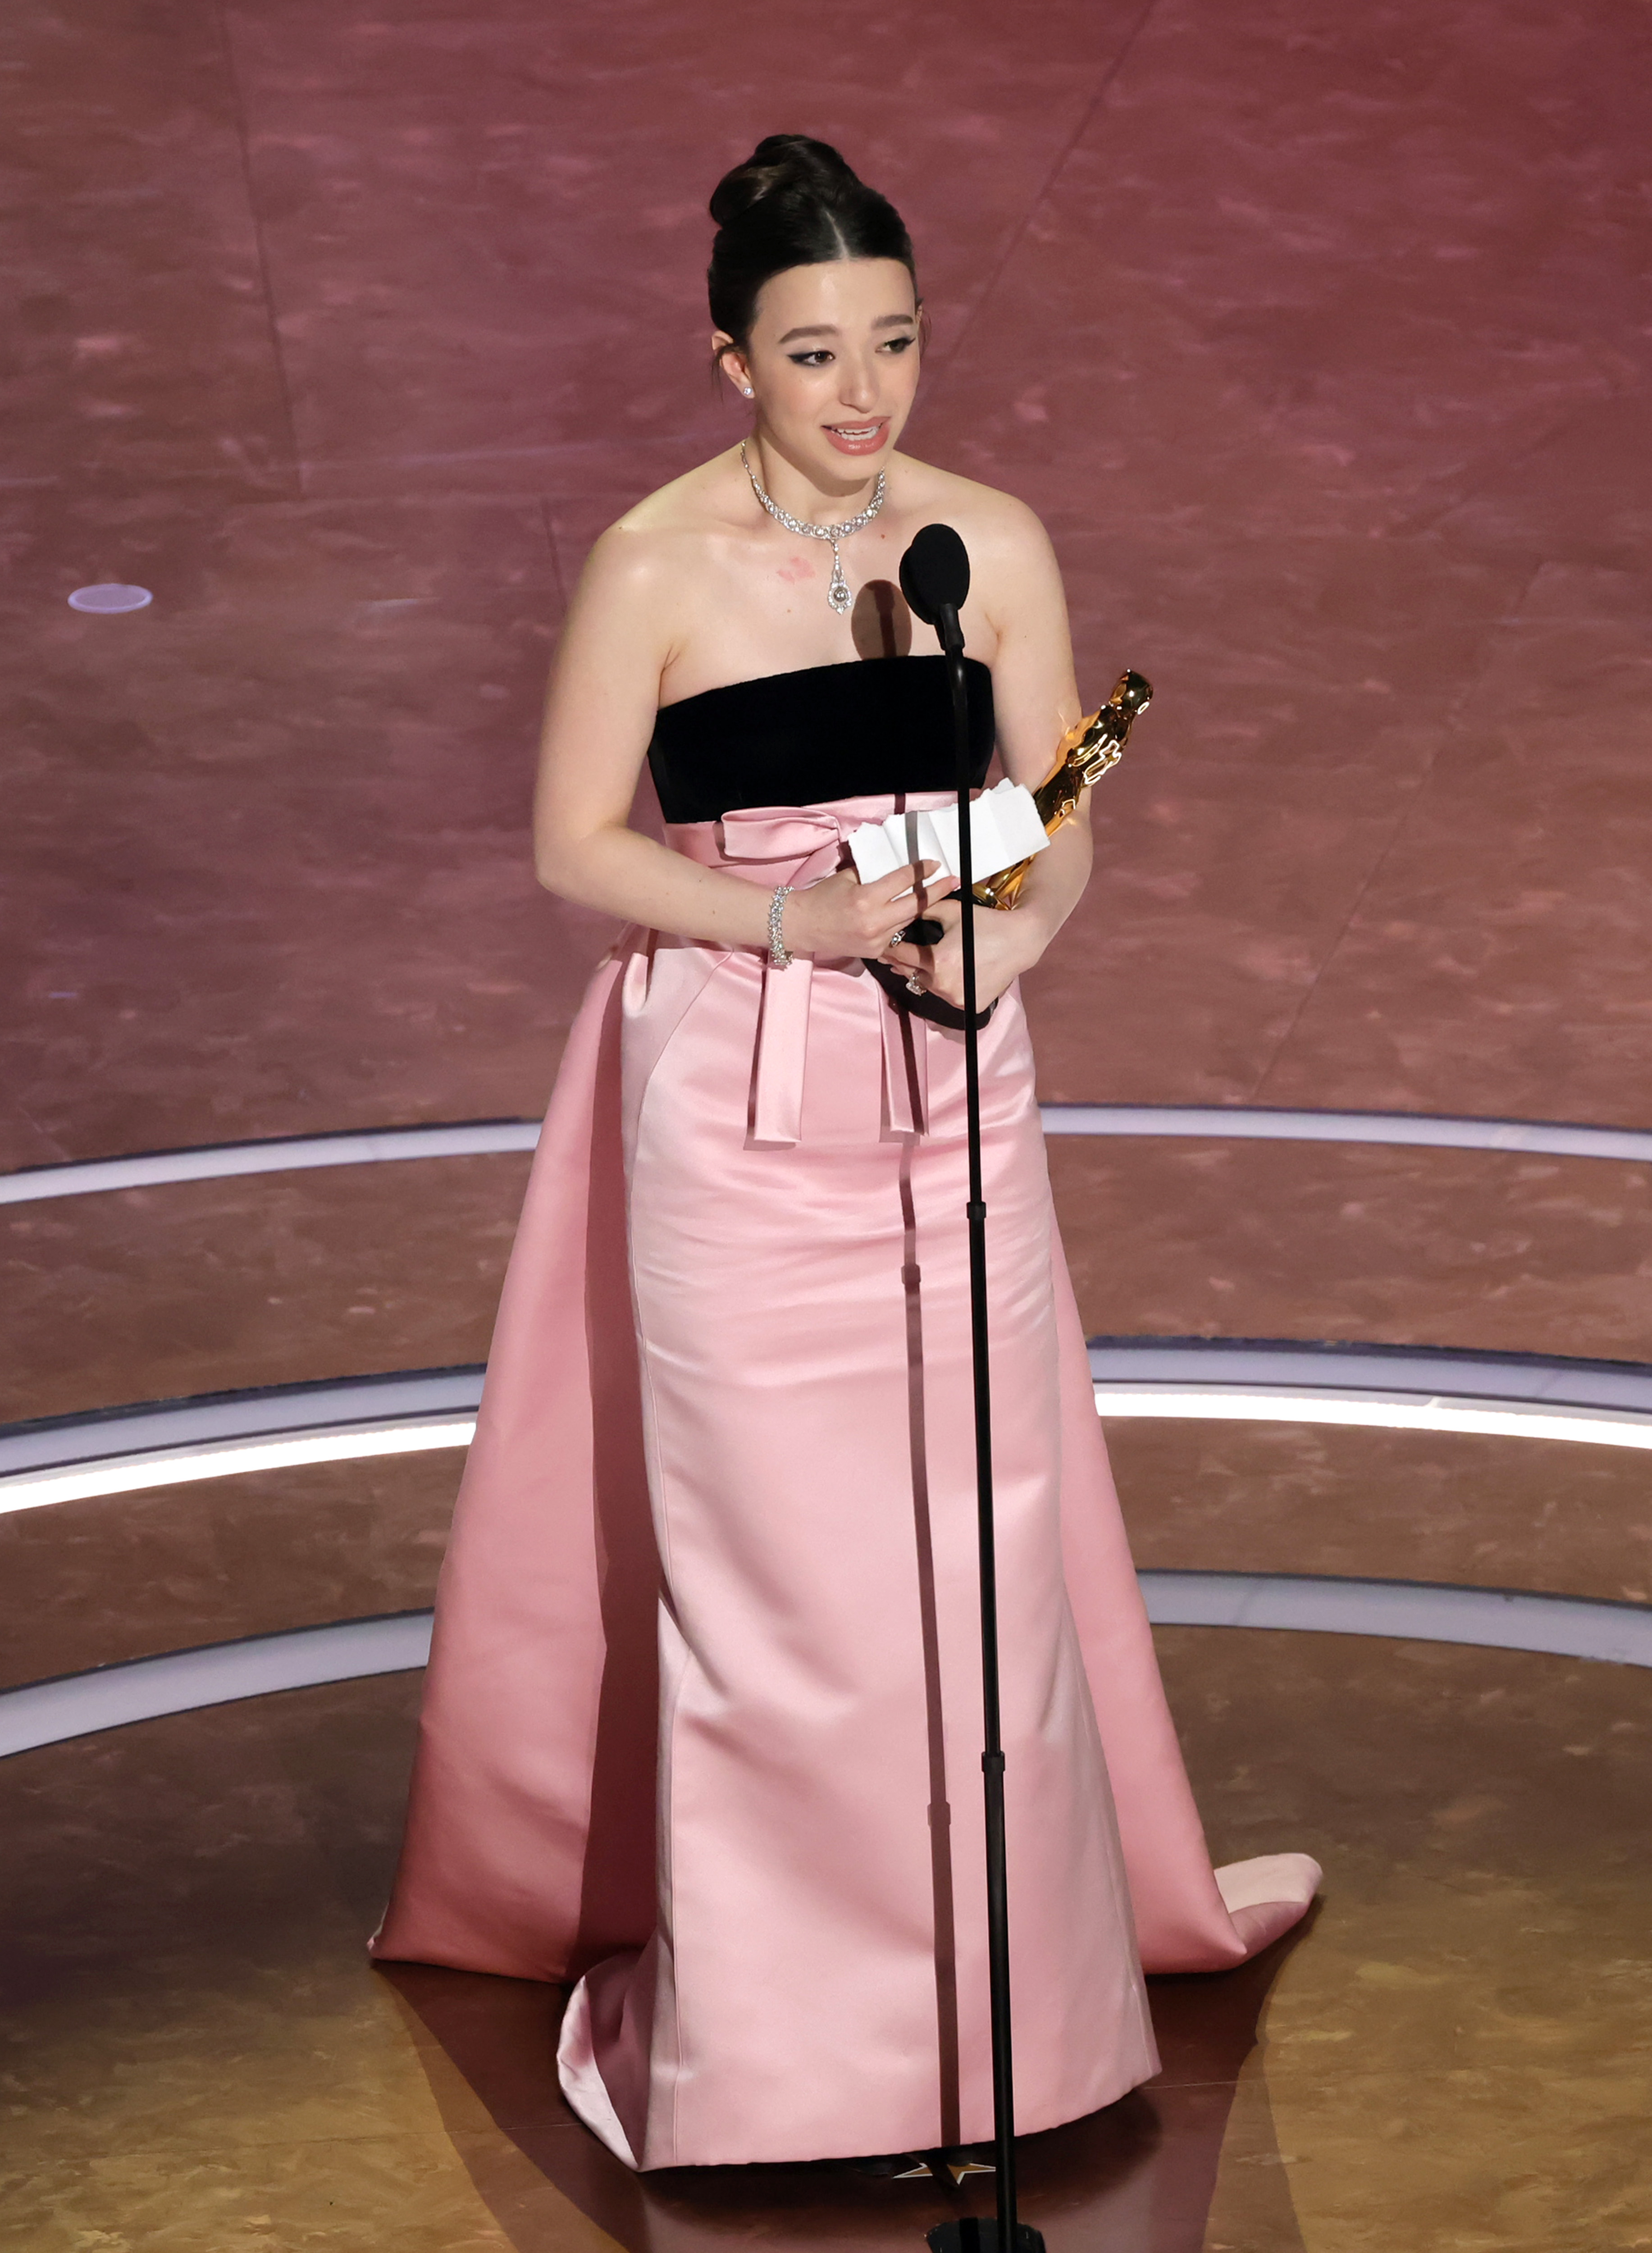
<point>1455,2055</point>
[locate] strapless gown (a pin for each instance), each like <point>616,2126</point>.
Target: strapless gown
<point>701,1727</point>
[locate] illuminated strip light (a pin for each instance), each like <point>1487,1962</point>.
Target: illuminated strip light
<point>1597,1405</point>
<point>299,1154</point>
<point>138,1474</point>
<point>489,1137</point>
<point>185,1681</point>
<point>1393,1413</point>
<point>1237,1122</point>
<point>165,1427</point>
<point>1408,1611</point>
<point>1414,1372</point>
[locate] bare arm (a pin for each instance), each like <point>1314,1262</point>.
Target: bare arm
<point>599,713</point>
<point>599,716</point>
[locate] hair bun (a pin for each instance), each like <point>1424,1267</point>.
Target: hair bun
<point>779,161</point>
<point>794,202</point>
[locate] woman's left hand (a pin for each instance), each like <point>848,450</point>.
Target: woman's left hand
<point>1008,941</point>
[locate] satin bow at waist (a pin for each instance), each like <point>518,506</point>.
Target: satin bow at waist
<point>802,843</point>
<point>797,846</point>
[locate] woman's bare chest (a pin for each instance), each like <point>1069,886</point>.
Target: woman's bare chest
<point>766,608</point>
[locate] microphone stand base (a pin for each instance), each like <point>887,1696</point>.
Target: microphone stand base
<point>972,2233</point>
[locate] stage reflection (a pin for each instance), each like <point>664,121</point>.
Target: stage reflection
<point>1138,2178</point>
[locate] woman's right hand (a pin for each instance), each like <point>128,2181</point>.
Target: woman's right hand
<point>841,916</point>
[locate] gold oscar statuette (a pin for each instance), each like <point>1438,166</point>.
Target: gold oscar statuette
<point>1086,753</point>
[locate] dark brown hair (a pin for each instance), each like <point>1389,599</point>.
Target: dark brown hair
<point>794,202</point>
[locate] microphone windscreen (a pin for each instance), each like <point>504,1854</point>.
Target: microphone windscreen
<point>935,573</point>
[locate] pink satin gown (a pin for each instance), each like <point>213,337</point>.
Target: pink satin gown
<point>702,1724</point>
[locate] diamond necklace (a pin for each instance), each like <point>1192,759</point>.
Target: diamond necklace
<point>838,592</point>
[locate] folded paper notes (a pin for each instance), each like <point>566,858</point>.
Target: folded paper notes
<point>1004,827</point>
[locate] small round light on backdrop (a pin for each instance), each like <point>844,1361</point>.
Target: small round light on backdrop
<point>109,597</point>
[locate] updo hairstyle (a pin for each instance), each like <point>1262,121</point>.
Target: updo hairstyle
<point>794,202</point>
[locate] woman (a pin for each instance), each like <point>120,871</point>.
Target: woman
<point>703,1713</point>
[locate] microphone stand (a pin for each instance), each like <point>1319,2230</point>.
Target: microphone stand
<point>968,2234</point>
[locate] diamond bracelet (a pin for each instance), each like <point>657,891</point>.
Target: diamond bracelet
<point>777,954</point>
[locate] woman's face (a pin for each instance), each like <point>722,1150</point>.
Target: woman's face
<point>832,361</point>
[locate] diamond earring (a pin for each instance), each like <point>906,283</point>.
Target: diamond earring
<point>747,390</point>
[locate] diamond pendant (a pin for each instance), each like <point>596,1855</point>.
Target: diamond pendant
<point>838,593</point>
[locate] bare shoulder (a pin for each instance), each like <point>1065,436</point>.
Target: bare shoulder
<point>993,524</point>
<point>643,551</point>
<point>703,500</point>
<point>1014,579</point>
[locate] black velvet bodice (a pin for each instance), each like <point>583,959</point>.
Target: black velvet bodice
<point>854,730</point>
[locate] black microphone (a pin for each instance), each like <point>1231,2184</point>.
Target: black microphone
<point>935,580</point>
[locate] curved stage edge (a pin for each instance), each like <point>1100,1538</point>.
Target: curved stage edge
<point>146,1444</point>
<point>68,1705</point>
<point>203,1836</point>
<point>486,1137</point>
